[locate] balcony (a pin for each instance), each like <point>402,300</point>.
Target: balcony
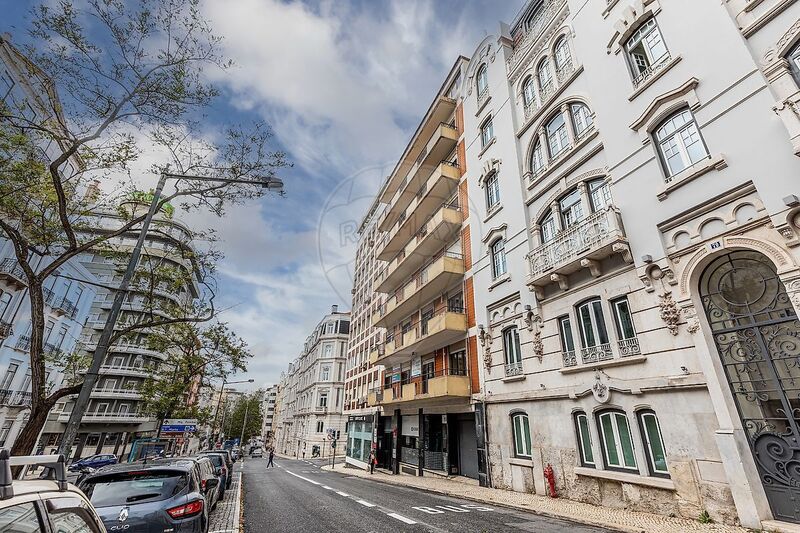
<point>437,233</point>
<point>440,186</point>
<point>583,245</point>
<point>601,353</point>
<point>420,146</point>
<point>65,307</point>
<point>375,353</point>
<point>443,385</point>
<point>6,329</point>
<point>433,279</point>
<point>23,343</point>
<point>108,418</point>
<point>122,347</point>
<point>536,29</point>
<point>12,273</point>
<point>442,329</point>
<point>129,394</point>
<point>136,371</point>
<point>13,398</point>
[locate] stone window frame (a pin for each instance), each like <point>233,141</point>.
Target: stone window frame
<point>604,449</point>
<point>582,461</point>
<point>646,446</point>
<point>513,415</point>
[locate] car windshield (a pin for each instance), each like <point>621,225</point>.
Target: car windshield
<point>216,459</point>
<point>124,488</point>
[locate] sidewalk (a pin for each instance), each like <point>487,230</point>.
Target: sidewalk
<point>584,513</point>
<point>226,518</point>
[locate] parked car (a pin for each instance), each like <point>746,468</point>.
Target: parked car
<point>52,503</point>
<point>228,462</point>
<point>220,470</point>
<point>163,495</point>
<point>207,472</point>
<point>93,461</point>
<point>257,452</point>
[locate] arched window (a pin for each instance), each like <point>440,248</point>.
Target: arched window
<point>599,194</point>
<point>522,435</point>
<point>645,49</point>
<point>511,348</point>
<point>548,226</point>
<point>537,159</point>
<point>584,439</point>
<point>561,53</point>
<point>616,440</point>
<point>571,209</point>
<point>557,135</point>
<point>482,79</point>
<point>653,443</point>
<point>545,78</point>
<point>592,324</point>
<point>528,91</point>
<point>498,253</point>
<point>679,142</point>
<point>487,133</point>
<point>492,191</point>
<point>581,119</point>
<point>793,57</point>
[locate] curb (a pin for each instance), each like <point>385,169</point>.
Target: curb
<point>549,514</point>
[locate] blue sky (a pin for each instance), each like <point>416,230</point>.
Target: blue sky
<point>343,85</point>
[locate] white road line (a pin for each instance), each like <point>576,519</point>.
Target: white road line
<point>326,487</point>
<point>365,504</point>
<point>303,478</point>
<point>340,493</point>
<point>401,518</point>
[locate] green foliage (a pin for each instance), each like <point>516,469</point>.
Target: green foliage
<point>705,518</point>
<point>235,416</point>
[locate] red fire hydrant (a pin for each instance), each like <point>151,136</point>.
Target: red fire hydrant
<point>550,476</point>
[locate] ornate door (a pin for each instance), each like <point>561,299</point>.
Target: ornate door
<point>757,334</point>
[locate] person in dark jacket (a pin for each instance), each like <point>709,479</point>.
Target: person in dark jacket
<point>271,455</point>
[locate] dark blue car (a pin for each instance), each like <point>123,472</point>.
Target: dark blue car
<point>94,461</point>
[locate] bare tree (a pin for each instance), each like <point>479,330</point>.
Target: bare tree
<point>130,77</point>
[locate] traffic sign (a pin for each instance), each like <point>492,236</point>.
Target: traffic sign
<point>184,428</point>
<point>179,422</point>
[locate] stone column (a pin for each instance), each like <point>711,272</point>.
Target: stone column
<point>556,209</point>
<point>568,121</point>
<point>536,232</point>
<point>586,202</point>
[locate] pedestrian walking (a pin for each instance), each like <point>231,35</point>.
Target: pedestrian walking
<point>271,455</point>
<point>372,461</point>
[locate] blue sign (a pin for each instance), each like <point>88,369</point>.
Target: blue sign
<point>179,429</point>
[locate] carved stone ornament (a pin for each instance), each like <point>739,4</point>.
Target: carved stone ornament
<point>692,322</point>
<point>669,312</point>
<point>793,290</point>
<point>538,346</point>
<point>600,390</point>
<point>485,337</point>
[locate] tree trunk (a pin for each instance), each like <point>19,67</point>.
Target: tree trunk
<point>26,440</point>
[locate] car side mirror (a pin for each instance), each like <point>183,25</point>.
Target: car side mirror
<point>211,483</point>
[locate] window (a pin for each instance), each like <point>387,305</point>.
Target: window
<point>487,133</point>
<point>482,79</point>
<point>320,425</point>
<point>537,159</point>
<point>492,191</point>
<point>557,136</point>
<point>581,118</point>
<point>323,400</point>
<point>794,62</point>
<point>653,443</point>
<point>623,319</point>
<point>616,440</point>
<point>528,90</point>
<point>5,300</point>
<point>498,252</point>
<point>325,373</point>
<point>21,517</point>
<point>4,430</point>
<point>522,435</point>
<point>571,209</point>
<point>599,194</point>
<point>645,48</point>
<point>328,350</point>
<point>565,332</point>
<point>592,324</point>
<point>70,515</point>
<point>679,142</point>
<point>511,347</point>
<point>548,226</point>
<point>584,439</point>
<point>545,79</point>
<point>330,328</point>
<point>8,379</point>
<point>562,54</point>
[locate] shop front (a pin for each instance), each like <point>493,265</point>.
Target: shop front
<point>359,439</point>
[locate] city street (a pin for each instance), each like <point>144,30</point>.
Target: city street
<point>297,496</point>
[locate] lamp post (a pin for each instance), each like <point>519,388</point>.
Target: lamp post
<point>103,344</point>
<point>214,433</point>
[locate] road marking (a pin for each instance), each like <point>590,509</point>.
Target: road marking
<point>326,487</point>
<point>401,518</point>
<point>453,508</point>
<point>303,478</point>
<point>365,504</point>
<point>340,493</point>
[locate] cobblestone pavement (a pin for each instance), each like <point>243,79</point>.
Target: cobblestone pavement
<point>605,517</point>
<point>226,518</point>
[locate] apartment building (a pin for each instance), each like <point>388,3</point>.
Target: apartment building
<point>312,391</point>
<point>427,419</point>
<point>268,408</point>
<point>113,418</point>
<point>361,376</point>
<point>636,271</point>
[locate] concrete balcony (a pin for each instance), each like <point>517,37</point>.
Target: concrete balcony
<point>64,307</point>
<point>12,274</point>
<point>438,189</point>
<point>134,371</point>
<point>375,353</point>
<point>583,245</point>
<point>123,347</point>
<point>127,394</point>
<point>435,234</point>
<point>441,330</point>
<point>432,280</point>
<point>12,398</point>
<point>108,418</point>
<point>440,388</point>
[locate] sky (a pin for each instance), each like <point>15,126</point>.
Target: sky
<point>343,85</point>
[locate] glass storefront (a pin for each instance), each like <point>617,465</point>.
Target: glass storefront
<point>359,440</point>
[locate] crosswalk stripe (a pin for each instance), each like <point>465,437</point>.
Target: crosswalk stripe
<point>401,518</point>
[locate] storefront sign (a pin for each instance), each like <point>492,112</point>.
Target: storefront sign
<point>410,426</point>
<point>416,366</point>
<point>396,374</point>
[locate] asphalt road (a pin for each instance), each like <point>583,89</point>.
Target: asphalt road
<point>297,496</point>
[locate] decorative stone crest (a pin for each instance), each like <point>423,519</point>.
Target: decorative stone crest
<point>485,338</point>
<point>692,322</point>
<point>669,312</point>
<point>793,290</point>
<point>599,389</point>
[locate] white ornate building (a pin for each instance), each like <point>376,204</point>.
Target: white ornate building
<point>636,272</point>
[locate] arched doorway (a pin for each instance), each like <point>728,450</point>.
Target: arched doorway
<point>757,335</point>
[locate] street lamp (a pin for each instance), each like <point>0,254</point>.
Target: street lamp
<point>90,379</point>
<point>219,401</point>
